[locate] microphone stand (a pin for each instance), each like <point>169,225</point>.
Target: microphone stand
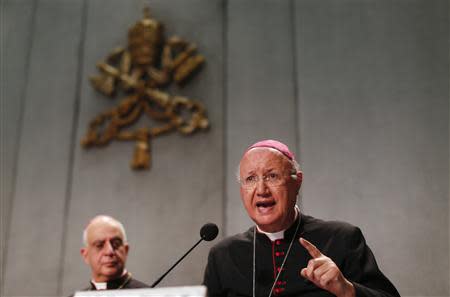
<point>173,266</point>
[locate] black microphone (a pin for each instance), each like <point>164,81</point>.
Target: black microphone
<point>208,232</point>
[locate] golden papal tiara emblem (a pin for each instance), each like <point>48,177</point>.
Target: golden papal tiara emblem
<point>142,71</point>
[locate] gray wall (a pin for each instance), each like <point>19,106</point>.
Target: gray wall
<point>358,88</point>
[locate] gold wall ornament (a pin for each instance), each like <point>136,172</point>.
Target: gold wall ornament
<point>148,64</point>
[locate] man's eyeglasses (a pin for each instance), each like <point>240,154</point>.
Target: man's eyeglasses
<point>272,179</point>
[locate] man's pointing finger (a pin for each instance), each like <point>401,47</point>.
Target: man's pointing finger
<point>311,248</point>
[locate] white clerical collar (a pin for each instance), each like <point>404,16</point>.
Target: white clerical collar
<point>273,236</point>
<point>280,234</point>
<point>104,285</point>
<point>99,286</point>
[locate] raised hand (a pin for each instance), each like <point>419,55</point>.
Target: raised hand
<point>324,273</point>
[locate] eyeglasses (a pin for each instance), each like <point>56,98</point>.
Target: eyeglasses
<point>271,179</point>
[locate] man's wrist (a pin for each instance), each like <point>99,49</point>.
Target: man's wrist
<point>349,290</point>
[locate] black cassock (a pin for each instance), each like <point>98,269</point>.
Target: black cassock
<point>229,271</point>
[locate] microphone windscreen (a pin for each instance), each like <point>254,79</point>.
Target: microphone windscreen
<point>209,231</point>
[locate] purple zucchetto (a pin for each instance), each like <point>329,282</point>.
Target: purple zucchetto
<point>270,143</point>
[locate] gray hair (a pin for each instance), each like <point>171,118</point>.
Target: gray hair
<point>106,218</point>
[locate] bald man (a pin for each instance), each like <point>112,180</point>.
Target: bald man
<point>105,250</point>
<point>288,253</point>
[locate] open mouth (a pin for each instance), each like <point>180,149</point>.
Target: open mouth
<point>265,204</point>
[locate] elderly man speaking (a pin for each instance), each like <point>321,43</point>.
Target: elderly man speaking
<point>289,253</point>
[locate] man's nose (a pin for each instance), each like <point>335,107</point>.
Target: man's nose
<point>109,249</point>
<point>261,188</point>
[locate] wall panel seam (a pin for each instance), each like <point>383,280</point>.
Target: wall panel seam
<point>295,76</point>
<point>73,142</point>
<point>448,125</point>
<point>225,114</point>
<point>11,195</point>
<point>296,86</point>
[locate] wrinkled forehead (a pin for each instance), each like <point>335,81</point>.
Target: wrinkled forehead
<point>263,159</point>
<point>103,230</point>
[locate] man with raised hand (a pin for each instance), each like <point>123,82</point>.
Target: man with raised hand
<point>288,253</point>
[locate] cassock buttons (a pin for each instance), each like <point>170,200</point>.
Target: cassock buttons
<point>278,254</point>
<point>278,291</point>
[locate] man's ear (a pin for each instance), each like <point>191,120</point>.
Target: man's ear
<point>127,248</point>
<point>84,254</point>
<point>299,179</point>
